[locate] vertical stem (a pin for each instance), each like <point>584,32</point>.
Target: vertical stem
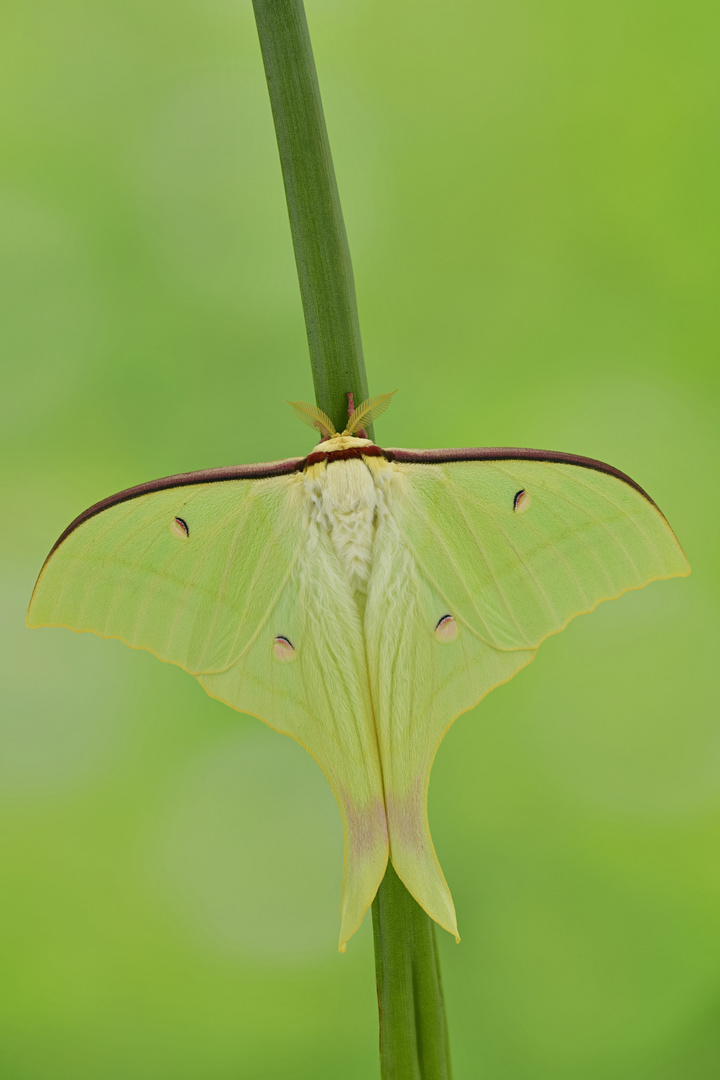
<point>327,286</point>
<point>413,1029</point>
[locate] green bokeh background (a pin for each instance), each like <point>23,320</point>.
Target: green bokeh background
<point>530,191</point>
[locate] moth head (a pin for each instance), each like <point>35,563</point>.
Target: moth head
<point>357,418</point>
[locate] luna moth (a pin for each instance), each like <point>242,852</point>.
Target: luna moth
<point>359,599</point>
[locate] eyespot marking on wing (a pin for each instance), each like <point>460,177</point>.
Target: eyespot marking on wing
<point>180,527</point>
<point>284,649</point>
<point>446,629</point>
<point>522,501</point>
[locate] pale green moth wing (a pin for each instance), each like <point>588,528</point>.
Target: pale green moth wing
<point>476,557</point>
<point>226,579</point>
<point>475,563</point>
<point>319,693</point>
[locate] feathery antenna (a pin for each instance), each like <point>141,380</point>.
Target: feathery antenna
<point>314,418</point>
<point>368,411</point>
<point>358,420</point>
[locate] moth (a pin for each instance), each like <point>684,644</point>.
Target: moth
<point>359,599</point>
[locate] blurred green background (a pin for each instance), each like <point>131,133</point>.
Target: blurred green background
<point>530,191</point>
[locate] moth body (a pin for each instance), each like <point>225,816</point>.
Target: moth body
<point>344,504</point>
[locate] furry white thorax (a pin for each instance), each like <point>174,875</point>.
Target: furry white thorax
<point>344,500</point>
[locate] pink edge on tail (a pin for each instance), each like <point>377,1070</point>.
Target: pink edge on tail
<point>413,856</point>
<point>365,860</point>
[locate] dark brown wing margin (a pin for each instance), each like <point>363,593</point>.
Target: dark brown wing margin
<point>512,453</point>
<point>204,476</point>
<point>283,468</point>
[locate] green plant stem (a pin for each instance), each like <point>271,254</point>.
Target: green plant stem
<point>413,1029</point>
<point>322,255</point>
